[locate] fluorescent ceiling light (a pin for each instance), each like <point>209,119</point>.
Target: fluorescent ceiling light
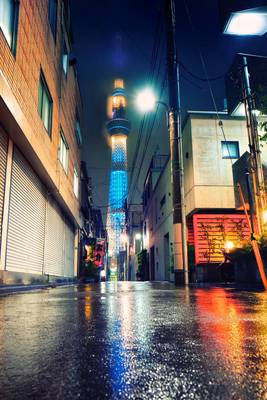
<point>247,23</point>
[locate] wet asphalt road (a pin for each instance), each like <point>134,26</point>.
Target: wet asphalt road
<point>133,341</point>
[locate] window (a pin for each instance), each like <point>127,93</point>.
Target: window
<point>76,183</point>
<point>63,151</point>
<point>65,59</point>
<point>78,132</point>
<point>45,104</point>
<point>230,150</point>
<point>9,21</point>
<point>52,16</point>
<point>137,246</point>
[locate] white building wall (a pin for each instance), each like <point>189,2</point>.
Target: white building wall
<point>158,221</point>
<point>208,176</point>
<point>208,179</point>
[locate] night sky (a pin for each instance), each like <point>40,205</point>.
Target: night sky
<point>115,39</point>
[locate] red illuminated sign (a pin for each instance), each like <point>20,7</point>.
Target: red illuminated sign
<point>99,252</point>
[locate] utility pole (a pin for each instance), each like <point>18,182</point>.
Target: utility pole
<point>254,148</point>
<point>256,171</point>
<point>176,154</point>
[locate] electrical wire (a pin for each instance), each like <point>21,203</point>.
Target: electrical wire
<point>155,56</point>
<point>208,80</point>
<point>149,133</point>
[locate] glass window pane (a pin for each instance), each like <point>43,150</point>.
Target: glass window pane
<point>64,156</point>
<point>76,183</point>
<point>60,150</point>
<point>45,104</point>
<point>46,111</point>
<point>65,57</point>
<point>63,152</point>
<point>67,160</point>
<point>230,150</point>
<point>52,15</point>
<point>40,97</point>
<point>78,132</point>
<point>7,19</point>
<point>65,61</point>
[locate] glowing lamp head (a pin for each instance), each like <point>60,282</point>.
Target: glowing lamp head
<point>264,216</point>
<point>248,22</point>
<point>229,246</point>
<point>138,236</point>
<point>146,100</point>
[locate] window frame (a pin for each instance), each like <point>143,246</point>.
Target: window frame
<point>43,84</point>
<point>78,136</point>
<point>64,160</point>
<point>14,34</point>
<point>229,156</point>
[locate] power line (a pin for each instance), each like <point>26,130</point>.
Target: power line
<point>148,136</point>
<point>157,47</point>
<point>208,79</point>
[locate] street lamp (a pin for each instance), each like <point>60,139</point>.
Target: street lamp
<point>247,22</point>
<point>243,17</point>
<point>146,101</point>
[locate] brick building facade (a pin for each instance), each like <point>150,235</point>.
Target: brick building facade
<point>40,136</point>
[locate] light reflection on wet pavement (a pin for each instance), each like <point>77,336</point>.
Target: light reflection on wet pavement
<point>133,341</point>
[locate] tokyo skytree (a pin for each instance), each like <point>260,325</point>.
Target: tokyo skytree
<point>118,128</point>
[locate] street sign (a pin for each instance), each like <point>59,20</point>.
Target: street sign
<point>99,252</point>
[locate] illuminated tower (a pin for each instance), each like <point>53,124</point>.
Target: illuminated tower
<point>118,127</point>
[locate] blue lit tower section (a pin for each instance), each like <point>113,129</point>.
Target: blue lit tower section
<point>118,127</point>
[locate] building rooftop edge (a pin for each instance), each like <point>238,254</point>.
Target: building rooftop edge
<point>212,114</point>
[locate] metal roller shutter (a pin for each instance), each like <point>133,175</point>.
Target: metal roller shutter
<point>3,162</point>
<point>54,241</point>
<point>69,251</point>
<point>26,227</point>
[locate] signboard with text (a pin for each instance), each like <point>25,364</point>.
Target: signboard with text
<point>99,252</point>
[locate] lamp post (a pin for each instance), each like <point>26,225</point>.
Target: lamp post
<point>256,162</point>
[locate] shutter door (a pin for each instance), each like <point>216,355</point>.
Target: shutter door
<point>3,162</point>
<point>69,251</point>
<point>54,240</point>
<point>26,227</point>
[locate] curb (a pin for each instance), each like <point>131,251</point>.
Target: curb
<point>13,289</point>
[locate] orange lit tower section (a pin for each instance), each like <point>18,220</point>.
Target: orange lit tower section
<point>118,127</point>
